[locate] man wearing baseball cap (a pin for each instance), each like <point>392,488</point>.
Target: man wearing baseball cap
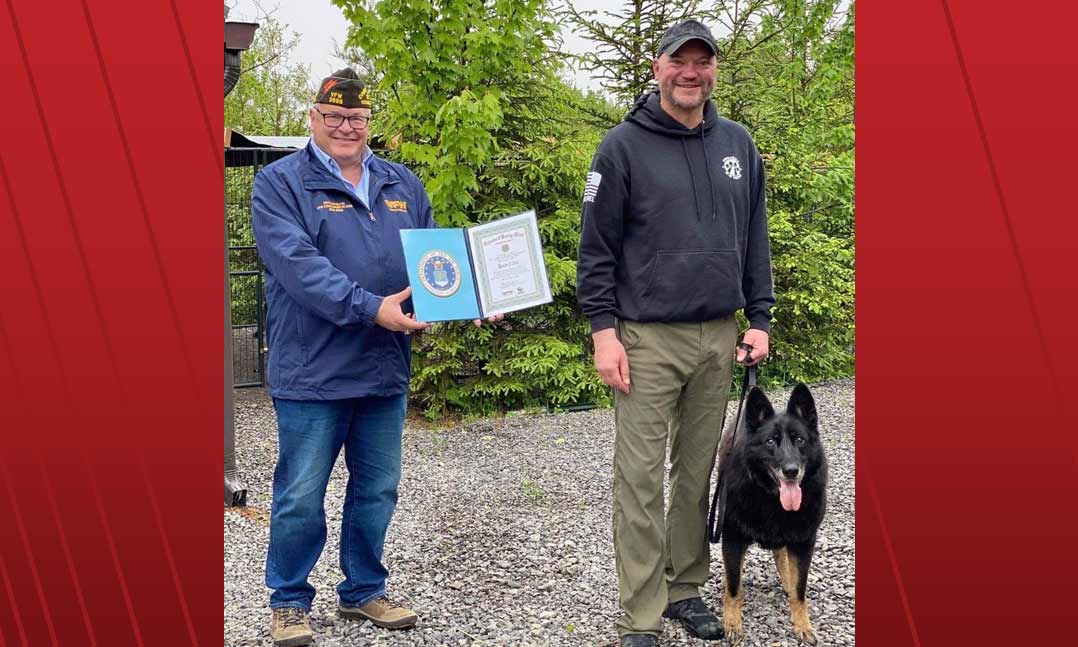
<point>327,223</point>
<point>683,32</point>
<point>673,243</point>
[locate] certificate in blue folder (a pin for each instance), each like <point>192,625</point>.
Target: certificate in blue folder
<point>440,273</point>
<point>472,273</point>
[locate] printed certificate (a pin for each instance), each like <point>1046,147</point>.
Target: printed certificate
<point>473,273</point>
<point>509,266</point>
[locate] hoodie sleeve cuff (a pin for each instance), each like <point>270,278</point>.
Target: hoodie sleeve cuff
<point>760,322</point>
<point>602,322</point>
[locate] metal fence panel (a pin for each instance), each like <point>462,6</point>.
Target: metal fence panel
<point>247,288</point>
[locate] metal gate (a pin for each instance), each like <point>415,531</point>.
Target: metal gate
<point>248,316</point>
<point>246,285</point>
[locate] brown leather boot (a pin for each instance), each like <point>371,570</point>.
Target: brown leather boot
<point>289,627</point>
<point>382,612</point>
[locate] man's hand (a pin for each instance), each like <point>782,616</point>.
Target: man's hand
<point>491,319</point>
<point>758,340</point>
<point>611,360</point>
<point>391,317</point>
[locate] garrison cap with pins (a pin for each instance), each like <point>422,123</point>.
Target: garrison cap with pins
<point>343,88</point>
<point>681,33</point>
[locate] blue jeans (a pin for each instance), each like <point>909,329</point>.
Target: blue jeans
<point>311,434</point>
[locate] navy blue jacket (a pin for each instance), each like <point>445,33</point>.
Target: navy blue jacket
<point>329,261</point>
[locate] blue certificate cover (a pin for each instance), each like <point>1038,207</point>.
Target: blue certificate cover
<point>440,273</point>
<point>496,267</point>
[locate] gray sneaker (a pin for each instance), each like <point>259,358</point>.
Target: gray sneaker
<point>289,627</point>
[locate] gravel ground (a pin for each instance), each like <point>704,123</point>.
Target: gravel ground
<point>502,537</point>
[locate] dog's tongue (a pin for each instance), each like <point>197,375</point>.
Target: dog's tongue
<point>789,495</point>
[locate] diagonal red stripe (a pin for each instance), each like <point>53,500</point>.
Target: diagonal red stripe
<point>1022,274</point>
<point>137,184</point>
<point>214,146</point>
<point>115,557</point>
<point>875,499</point>
<point>50,331</point>
<point>3,643</point>
<point>5,344</point>
<point>64,379</point>
<point>92,287</point>
<point>21,527</point>
<point>12,602</point>
<point>168,549</point>
<point>51,497</point>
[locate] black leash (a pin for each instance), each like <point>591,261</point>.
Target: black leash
<point>718,501</point>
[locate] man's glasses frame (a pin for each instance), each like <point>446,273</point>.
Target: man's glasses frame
<point>334,120</point>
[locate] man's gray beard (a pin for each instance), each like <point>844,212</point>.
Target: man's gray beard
<point>690,107</point>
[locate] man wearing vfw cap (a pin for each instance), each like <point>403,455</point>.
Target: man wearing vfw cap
<point>327,221</point>
<point>673,243</point>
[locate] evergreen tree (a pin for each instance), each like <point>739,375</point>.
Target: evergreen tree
<point>476,104</point>
<point>625,42</point>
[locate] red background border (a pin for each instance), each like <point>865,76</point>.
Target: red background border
<point>111,253</point>
<point>965,313</point>
<point>111,249</point>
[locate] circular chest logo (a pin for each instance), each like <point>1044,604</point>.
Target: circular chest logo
<point>439,273</point>
<point>732,166</point>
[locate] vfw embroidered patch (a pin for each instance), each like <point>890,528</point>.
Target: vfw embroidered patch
<point>400,206</point>
<point>333,206</point>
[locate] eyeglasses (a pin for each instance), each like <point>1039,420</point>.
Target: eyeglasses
<point>334,120</point>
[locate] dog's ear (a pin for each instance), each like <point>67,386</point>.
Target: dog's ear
<point>802,405</point>
<point>758,409</point>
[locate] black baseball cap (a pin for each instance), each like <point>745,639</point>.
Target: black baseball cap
<point>683,32</point>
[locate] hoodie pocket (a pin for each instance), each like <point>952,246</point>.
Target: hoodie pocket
<point>693,285</point>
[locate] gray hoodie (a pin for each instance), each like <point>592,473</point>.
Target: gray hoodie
<point>674,225</point>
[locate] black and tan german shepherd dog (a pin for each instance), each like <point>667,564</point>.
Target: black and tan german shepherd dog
<point>774,471</point>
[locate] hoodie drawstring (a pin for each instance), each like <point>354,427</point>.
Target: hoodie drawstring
<point>707,169</point>
<point>688,163</point>
<point>647,113</point>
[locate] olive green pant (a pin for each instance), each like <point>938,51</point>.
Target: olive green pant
<point>679,380</point>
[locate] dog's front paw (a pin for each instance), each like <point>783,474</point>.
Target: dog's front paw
<point>735,632</point>
<point>804,632</point>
